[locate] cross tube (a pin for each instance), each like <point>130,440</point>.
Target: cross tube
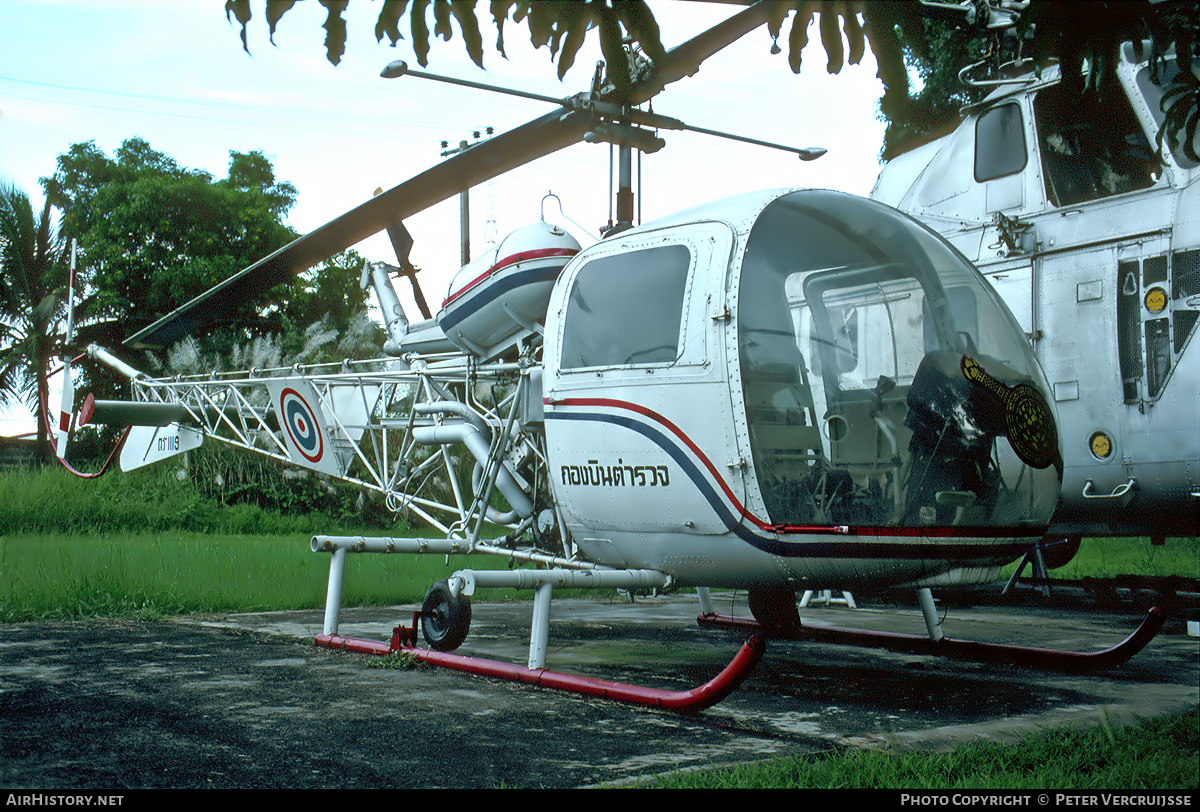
<point>563,573</point>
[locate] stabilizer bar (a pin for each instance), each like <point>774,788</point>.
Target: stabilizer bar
<point>1050,659</point>
<point>696,699</point>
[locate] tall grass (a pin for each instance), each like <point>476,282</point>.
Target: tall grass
<point>52,500</point>
<point>1110,557</point>
<point>149,544</point>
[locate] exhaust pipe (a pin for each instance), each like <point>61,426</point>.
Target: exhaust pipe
<point>470,436</point>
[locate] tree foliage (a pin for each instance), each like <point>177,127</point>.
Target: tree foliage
<point>1084,36</point>
<point>153,235</point>
<point>934,109</point>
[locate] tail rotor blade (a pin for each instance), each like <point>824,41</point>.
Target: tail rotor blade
<point>66,410</point>
<point>402,243</point>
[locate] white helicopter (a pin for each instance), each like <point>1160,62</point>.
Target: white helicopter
<point>1094,245</point>
<point>682,404</point>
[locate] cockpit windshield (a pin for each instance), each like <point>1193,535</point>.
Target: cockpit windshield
<point>853,326</point>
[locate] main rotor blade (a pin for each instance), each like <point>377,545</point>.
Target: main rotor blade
<point>471,167</point>
<point>685,59</point>
<point>463,170</point>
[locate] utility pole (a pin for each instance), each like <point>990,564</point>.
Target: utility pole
<point>464,198</point>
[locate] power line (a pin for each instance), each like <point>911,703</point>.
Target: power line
<point>391,122</point>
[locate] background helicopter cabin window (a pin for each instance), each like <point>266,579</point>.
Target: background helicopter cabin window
<point>999,142</point>
<point>627,309</point>
<point>1092,147</point>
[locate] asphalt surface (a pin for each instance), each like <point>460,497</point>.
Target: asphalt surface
<point>248,701</point>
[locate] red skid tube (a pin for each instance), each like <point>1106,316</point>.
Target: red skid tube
<point>696,699</point>
<point>1052,659</point>
<point>704,696</point>
<point>354,644</point>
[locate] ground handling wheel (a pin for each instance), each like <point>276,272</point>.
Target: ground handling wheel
<point>445,618</point>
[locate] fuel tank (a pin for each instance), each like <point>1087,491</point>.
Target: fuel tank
<point>502,294</point>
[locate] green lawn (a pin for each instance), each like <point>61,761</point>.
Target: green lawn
<point>1162,753</point>
<point>51,577</point>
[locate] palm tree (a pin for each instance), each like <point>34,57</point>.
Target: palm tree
<point>33,284</point>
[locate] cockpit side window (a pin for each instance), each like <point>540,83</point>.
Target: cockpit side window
<point>855,326</point>
<point>1091,149</point>
<point>627,309</point>
<point>999,142</point>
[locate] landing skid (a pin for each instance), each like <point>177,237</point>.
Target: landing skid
<point>1050,659</point>
<point>404,640</point>
<point>543,581</point>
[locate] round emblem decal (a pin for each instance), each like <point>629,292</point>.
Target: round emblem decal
<point>1028,418</point>
<point>301,424</point>
<point>1101,445</point>
<point>1156,300</point>
<point>1031,429</point>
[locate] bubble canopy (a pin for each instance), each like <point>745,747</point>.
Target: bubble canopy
<point>884,383</point>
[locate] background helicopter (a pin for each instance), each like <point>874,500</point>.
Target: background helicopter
<point>1091,240</point>
<point>688,414</point>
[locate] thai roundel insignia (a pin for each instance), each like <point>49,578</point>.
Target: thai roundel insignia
<point>300,423</point>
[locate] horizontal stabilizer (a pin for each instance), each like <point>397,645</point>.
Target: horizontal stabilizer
<point>306,436</point>
<point>149,444</point>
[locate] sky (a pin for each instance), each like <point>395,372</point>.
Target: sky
<point>174,72</point>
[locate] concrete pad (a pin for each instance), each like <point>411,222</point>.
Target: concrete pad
<point>249,701</point>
